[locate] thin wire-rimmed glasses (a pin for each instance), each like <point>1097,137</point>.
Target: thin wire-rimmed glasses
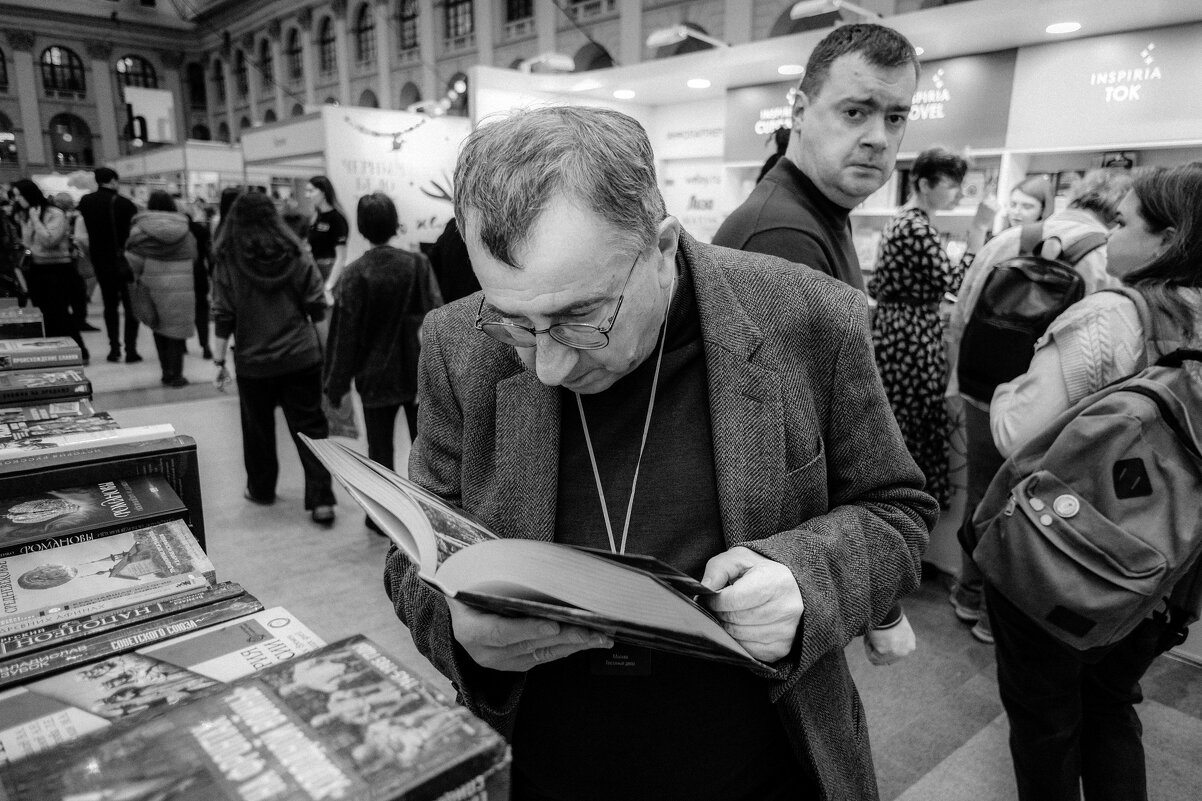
<point>581,336</point>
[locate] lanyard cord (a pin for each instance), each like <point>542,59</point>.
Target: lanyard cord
<point>588,441</point>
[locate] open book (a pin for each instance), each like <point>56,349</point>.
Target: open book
<point>636,599</point>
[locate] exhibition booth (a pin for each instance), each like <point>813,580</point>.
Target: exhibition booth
<point>194,170</point>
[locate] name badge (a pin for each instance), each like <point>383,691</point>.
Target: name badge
<point>621,660</point>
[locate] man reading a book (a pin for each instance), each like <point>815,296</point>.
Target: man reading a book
<point>619,385</point>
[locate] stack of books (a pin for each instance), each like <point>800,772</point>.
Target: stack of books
<point>130,669</point>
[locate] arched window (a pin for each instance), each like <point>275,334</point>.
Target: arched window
<point>368,99</point>
<point>266,64</point>
<point>410,94</point>
<point>71,141</point>
<point>223,131</point>
<point>62,71</point>
<point>458,19</point>
<point>241,76</point>
<point>298,110</point>
<point>243,126</point>
<point>8,141</point>
<point>327,50</point>
<point>407,25</point>
<point>365,36</point>
<point>136,71</point>
<point>219,82</point>
<point>201,132</point>
<point>268,116</point>
<point>295,55</point>
<point>3,72</point>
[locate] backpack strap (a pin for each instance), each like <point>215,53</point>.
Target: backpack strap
<point>1083,247</point>
<point>1032,237</point>
<point>1179,357</point>
<point>1147,321</point>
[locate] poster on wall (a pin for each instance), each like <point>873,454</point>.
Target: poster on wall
<point>411,157</point>
<point>692,190</point>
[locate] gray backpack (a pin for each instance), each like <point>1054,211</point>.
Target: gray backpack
<point>1094,523</point>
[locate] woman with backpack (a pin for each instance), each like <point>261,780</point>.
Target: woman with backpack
<point>1072,713</point>
<point>50,271</point>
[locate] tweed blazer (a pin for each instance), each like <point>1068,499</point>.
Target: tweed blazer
<point>812,472</point>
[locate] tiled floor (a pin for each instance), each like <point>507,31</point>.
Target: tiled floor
<point>937,727</point>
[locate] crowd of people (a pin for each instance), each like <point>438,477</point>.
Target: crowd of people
<point>779,432</point>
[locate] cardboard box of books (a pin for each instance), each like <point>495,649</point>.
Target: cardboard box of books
<point>344,722</point>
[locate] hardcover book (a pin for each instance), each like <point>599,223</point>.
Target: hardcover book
<point>173,458</point>
<point>633,598</point>
<point>17,430</point>
<point>120,568</point>
<point>21,322</point>
<point>21,387</point>
<point>124,689</point>
<point>39,353</point>
<point>86,439</point>
<point>345,722</point>
<point>42,412</point>
<point>43,520</point>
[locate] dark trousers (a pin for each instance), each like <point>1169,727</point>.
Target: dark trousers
<point>380,424</point>
<point>200,286</point>
<point>50,288</point>
<point>1072,716</point>
<point>115,293</point>
<point>982,461</point>
<point>79,301</point>
<point>171,355</point>
<point>299,395</point>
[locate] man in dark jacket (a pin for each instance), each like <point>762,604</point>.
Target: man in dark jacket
<point>107,215</point>
<point>849,114</point>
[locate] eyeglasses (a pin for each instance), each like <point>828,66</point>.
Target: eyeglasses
<point>581,336</point>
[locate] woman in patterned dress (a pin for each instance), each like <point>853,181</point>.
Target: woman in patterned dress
<point>912,275</point>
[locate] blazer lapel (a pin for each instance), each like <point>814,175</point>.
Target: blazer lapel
<point>746,410</point>
<point>527,464</point>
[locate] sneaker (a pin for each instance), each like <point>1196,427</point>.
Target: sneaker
<point>132,358</point>
<point>323,515</point>
<point>981,632</point>
<point>966,610</point>
<point>253,499</point>
<point>177,382</point>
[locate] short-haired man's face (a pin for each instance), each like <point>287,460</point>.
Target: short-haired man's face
<point>572,268</point>
<point>847,136</point>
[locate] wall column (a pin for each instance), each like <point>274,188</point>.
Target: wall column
<point>173,81</point>
<point>545,22</point>
<point>485,28</point>
<point>304,18</point>
<point>33,149</point>
<point>630,42</point>
<point>383,54</point>
<point>429,53</point>
<point>341,47</point>
<point>250,52</point>
<point>107,105</point>
<point>277,67</point>
<point>227,81</point>
<point>736,27</point>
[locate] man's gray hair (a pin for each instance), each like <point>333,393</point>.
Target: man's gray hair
<point>511,170</point>
<point>1100,191</point>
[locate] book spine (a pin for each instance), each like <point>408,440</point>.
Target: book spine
<point>148,591</point>
<point>43,359</point>
<point>39,639</point>
<point>122,640</point>
<point>119,527</point>
<point>21,396</point>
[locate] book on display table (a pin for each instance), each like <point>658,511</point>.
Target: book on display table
<point>632,598</point>
<point>16,430</point>
<point>39,353</point>
<point>45,412</point>
<point>344,722</point>
<point>92,437</point>
<point>21,322</point>
<point>22,387</point>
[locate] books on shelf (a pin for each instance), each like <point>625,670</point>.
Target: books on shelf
<point>173,458</point>
<point>48,519</point>
<point>43,412</point>
<point>60,583</point>
<point>636,599</point>
<point>122,689</point>
<point>344,722</point>
<point>22,387</point>
<point>21,322</point>
<point>79,440</point>
<point>17,430</point>
<point>39,353</point>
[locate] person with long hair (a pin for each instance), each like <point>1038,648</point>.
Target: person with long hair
<point>1072,717</point>
<point>378,309</point>
<point>50,272</point>
<point>267,294</point>
<point>161,251</point>
<point>328,231</point>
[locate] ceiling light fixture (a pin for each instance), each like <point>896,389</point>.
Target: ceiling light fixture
<point>918,51</point>
<point>698,83</point>
<point>550,62</point>
<point>665,37</point>
<point>791,69</point>
<point>624,94</point>
<point>1063,27</point>
<point>814,8</point>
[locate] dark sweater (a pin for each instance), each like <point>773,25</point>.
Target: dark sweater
<point>379,304</point>
<point>787,216</point>
<point>107,216</point>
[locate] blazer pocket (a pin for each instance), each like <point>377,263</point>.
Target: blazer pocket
<point>804,492</point>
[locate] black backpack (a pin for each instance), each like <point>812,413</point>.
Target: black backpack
<point>1020,299</point>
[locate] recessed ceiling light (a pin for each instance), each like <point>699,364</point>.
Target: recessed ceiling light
<point>918,51</point>
<point>1063,27</point>
<point>790,69</point>
<point>624,94</point>
<point>698,83</point>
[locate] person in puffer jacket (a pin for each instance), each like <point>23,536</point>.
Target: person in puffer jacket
<point>160,251</point>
